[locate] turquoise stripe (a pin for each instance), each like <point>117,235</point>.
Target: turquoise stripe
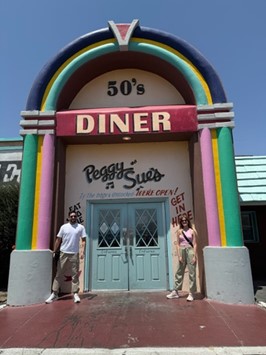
<point>178,63</point>
<point>229,188</point>
<point>27,193</point>
<point>72,67</point>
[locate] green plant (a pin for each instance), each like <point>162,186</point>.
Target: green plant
<point>9,194</point>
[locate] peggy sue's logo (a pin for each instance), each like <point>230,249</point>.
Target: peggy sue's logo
<point>118,171</point>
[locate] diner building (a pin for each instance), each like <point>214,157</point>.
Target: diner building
<point>130,128</point>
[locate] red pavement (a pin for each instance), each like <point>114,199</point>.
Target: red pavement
<point>122,320</point>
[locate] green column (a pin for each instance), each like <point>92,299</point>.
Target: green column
<point>27,193</point>
<point>229,188</point>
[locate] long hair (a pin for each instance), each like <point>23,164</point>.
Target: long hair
<point>189,223</point>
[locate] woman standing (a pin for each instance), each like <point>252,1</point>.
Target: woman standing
<point>187,256</point>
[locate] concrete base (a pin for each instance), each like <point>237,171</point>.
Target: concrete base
<point>30,277</point>
<point>228,275</point>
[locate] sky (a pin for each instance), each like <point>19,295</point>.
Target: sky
<point>230,34</point>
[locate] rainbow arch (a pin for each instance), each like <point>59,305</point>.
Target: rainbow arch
<point>201,76</point>
<point>51,81</point>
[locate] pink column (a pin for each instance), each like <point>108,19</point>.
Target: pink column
<point>209,188</point>
<point>46,193</point>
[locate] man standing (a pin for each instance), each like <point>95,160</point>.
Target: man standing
<point>67,242</point>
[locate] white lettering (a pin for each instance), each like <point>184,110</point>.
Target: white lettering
<point>140,119</point>
<point>117,121</point>
<point>124,122</point>
<point>102,123</point>
<point>161,119</point>
<point>85,123</point>
<point>15,172</point>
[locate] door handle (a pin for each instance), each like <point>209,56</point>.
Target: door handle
<point>124,232</point>
<point>130,237</point>
<point>125,242</point>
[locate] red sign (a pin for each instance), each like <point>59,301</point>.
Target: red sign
<point>121,121</point>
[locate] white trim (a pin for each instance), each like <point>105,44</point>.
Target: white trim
<point>216,107</point>
<point>46,123</point>
<point>25,123</point>
<point>36,113</point>
<point>23,132</point>
<point>46,131</point>
<point>216,116</point>
<point>216,125</point>
<point>123,42</point>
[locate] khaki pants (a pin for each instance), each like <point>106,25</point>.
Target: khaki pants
<point>187,256</point>
<point>63,261</point>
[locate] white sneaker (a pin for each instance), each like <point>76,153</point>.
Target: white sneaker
<point>52,298</point>
<point>173,294</point>
<point>190,297</point>
<point>76,298</point>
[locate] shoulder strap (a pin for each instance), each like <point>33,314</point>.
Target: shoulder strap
<point>189,242</point>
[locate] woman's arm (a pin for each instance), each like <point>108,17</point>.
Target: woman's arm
<point>195,245</point>
<point>178,246</point>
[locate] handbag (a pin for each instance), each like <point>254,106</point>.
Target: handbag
<point>189,242</point>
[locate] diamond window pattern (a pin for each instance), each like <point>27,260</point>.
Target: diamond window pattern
<point>146,228</point>
<point>109,229</point>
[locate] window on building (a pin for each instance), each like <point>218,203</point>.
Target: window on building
<point>249,226</point>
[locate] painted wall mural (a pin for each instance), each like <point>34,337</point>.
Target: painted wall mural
<point>10,171</point>
<point>129,174</point>
<point>10,166</point>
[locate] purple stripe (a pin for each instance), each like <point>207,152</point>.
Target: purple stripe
<point>46,193</point>
<point>209,188</point>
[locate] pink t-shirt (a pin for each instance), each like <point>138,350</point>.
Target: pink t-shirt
<point>182,240</point>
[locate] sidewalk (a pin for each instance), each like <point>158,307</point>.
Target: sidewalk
<point>133,323</point>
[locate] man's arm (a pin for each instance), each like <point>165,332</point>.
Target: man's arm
<point>57,244</point>
<point>83,246</point>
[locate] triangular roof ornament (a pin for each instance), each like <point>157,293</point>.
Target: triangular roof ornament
<point>123,32</point>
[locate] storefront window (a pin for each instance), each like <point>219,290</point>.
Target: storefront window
<point>249,226</point>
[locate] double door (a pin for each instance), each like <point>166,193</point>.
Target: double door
<point>128,246</point>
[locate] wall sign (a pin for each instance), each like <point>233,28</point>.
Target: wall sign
<point>121,171</point>
<point>127,88</point>
<point>10,171</point>
<point>155,119</point>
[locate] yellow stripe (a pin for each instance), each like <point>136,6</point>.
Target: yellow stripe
<point>60,69</point>
<point>37,193</point>
<point>158,44</point>
<point>218,186</point>
<point>190,64</point>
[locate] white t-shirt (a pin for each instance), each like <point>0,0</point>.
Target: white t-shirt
<point>71,234</point>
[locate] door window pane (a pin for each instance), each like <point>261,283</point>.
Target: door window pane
<point>249,226</point>
<point>146,227</point>
<point>109,229</point>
